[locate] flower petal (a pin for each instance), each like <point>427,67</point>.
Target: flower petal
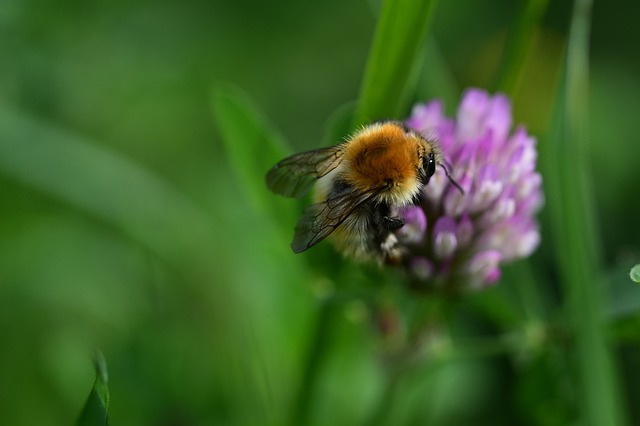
<point>445,240</point>
<point>415,225</point>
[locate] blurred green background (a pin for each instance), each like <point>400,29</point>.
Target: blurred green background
<point>126,228</point>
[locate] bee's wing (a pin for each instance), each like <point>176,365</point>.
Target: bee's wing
<point>321,219</point>
<point>293,176</point>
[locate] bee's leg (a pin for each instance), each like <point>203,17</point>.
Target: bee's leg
<point>385,239</point>
<point>393,223</point>
<point>385,221</point>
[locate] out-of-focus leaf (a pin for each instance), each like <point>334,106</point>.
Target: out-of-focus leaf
<point>436,79</point>
<point>398,38</point>
<point>339,124</point>
<point>251,142</point>
<point>575,228</point>
<point>543,389</point>
<point>96,409</point>
<point>518,45</point>
<point>105,184</point>
<point>497,306</point>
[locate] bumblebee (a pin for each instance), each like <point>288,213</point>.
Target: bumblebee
<point>360,187</point>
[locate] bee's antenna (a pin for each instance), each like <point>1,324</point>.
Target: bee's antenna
<point>446,172</point>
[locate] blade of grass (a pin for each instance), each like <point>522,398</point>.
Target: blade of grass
<point>399,35</point>
<point>576,233</point>
<point>96,409</point>
<point>338,124</point>
<point>105,184</point>
<point>518,45</point>
<point>252,145</point>
<point>437,79</point>
<point>319,345</point>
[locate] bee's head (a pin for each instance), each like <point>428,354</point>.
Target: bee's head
<point>428,167</point>
<point>431,161</point>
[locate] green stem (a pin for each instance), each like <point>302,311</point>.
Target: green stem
<point>424,315</point>
<point>397,41</point>
<point>385,404</point>
<point>316,355</point>
<point>575,229</point>
<point>464,350</point>
<point>437,79</point>
<point>528,292</point>
<point>518,44</point>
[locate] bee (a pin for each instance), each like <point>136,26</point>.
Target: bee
<point>360,186</point>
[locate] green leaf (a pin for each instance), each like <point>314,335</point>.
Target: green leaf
<point>399,35</point>
<point>518,44</point>
<point>634,274</point>
<point>436,79</point>
<point>104,184</point>
<point>576,235</point>
<point>96,409</point>
<point>252,144</point>
<point>339,124</point>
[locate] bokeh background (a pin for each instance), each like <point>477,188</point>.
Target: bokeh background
<point>126,228</point>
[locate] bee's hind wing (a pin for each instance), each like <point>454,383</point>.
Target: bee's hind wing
<point>293,176</point>
<point>319,220</point>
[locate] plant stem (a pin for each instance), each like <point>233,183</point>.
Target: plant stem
<point>575,228</point>
<point>315,356</point>
<point>518,45</point>
<point>399,35</point>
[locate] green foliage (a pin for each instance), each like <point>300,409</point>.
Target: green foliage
<point>398,39</point>
<point>102,183</point>
<point>96,409</point>
<point>134,222</point>
<point>576,234</point>
<point>251,144</point>
<point>518,45</point>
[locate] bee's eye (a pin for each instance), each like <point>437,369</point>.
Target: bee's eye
<point>429,166</point>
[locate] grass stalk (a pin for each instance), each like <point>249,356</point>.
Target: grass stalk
<point>398,38</point>
<point>517,46</point>
<point>575,229</point>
